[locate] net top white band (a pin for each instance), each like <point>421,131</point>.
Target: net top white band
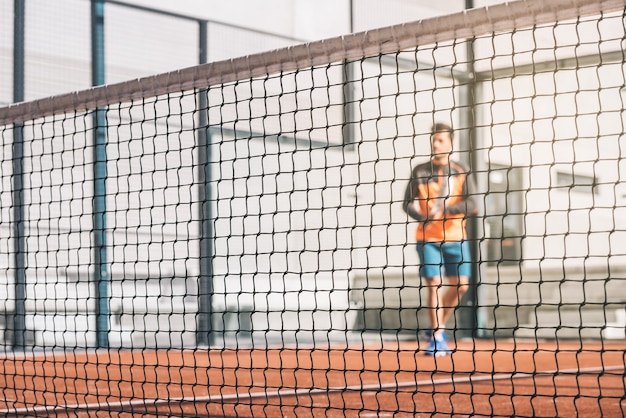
<point>466,24</point>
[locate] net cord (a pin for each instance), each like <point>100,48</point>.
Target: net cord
<point>465,24</point>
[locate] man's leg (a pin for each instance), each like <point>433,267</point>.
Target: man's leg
<point>434,301</point>
<point>430,270</point>
<point>431,261</point>
<point>457,260</point>
<point>456,288</point>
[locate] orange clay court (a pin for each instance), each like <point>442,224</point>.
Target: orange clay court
<point>481,378</point>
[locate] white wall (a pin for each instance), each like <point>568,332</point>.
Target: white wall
<point>311,19</point>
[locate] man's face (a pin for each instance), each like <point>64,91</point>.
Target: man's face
<point>442,145</point>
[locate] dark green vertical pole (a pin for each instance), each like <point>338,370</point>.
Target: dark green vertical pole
<point>100,174</point>
<point>19,17</point>
<point>19,319</point>
<point>348,86</point>
<point>468,311</point>
<point>204,334</point>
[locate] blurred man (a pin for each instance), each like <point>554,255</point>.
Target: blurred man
<point>440,196</point>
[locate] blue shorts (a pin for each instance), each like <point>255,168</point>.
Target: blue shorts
<point>453,257</point>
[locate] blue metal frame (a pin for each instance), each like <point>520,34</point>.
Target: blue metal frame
<point>100,175</point>
<point>19,313</point>
<point>204,334</point>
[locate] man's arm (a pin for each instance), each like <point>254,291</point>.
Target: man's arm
<point>411,204</point>
<point>469,204</point>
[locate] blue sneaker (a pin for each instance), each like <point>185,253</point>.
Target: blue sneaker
<point>438,347</point>
<point>425,335</point>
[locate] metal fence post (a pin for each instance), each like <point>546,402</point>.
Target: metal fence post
<point>100,174</point>
<point>204,334</point>
<point>19,312</point>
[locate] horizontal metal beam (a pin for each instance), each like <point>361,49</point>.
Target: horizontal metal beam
<point>195,19</point>
<point>613,57</point>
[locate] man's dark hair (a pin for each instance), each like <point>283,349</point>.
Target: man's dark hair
<point>442,127</point>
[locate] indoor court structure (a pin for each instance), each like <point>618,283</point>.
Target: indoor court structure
<point>228,239</point>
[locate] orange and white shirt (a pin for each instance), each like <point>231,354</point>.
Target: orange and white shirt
<point>440,188</point>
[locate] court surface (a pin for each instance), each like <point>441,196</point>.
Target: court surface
<point>481,378</point>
